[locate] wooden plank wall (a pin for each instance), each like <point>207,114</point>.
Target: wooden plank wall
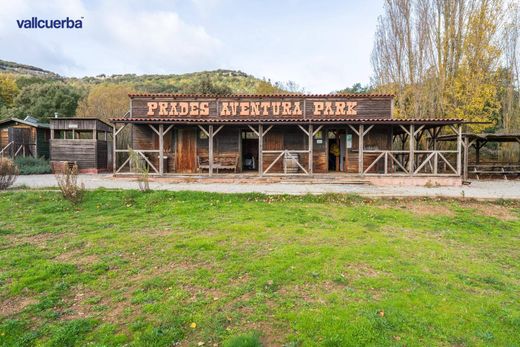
<point>81,151</point>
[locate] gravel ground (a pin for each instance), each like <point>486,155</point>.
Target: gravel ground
<point>495,189</point>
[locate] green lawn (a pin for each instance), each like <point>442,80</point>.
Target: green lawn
<point>165,269</point>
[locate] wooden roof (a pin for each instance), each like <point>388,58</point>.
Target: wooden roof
<point>25,122</point>
<point>490,137</point>
<point>83,123</point>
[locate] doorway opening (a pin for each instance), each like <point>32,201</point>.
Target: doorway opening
<point>249,150</point>
<point>337,154</point>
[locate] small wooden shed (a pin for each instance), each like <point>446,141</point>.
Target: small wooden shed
<point>26,138</point>
<point>84,141</point>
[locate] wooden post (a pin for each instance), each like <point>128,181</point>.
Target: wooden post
<point>210,150</point>
<point>311,148</point>
<point>161,149</point>
<point>459,154</point>
<point>260,149</point>
<point>477,153</point>
<point>114,153</point>
<point>466,152</point>
<point>360,148</point>
<point>411,161</point>
<point>94,134</point>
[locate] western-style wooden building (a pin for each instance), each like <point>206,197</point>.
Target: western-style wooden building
<point>24,137</point>
<point>86,142</point>
<point>286,135</point>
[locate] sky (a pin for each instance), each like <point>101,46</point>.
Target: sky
<point>322,45</point>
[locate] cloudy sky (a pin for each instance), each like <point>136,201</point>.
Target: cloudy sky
<point>321,45</point>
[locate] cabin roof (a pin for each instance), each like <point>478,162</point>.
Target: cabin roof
<point>236,96</point>
<point>491,137</point>
<point>26,122</point>
<point>77,119</point>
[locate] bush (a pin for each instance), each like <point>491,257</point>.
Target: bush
<point>33,166</point>
<point>69,186</point>
<point>138,165</point>
<point>8,173</point>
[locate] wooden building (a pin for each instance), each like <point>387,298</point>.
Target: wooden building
<point>309,135</point>
<point>481,157</point>
<point>84,141</point>
<point>27,137</point>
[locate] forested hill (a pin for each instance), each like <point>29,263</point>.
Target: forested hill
<point>21,69</point>
<point>28,90</point>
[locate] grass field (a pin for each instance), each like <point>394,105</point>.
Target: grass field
<point>165,269</point>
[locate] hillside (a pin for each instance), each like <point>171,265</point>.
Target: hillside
<point>230,80</point>
<point>28,90</point>
<point>22,69</point>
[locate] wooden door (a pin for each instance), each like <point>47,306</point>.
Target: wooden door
<point>186,154</point>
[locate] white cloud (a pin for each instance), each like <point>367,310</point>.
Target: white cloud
<point>113,39</point>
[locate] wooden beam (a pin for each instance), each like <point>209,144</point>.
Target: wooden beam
<point>267,130</point>
<point>203,130</point>
<point>261,149</point>
<point>114,153</point>
<point>353,129</point>
<point>210,150</point>
<point>367,130</point>
<point>168,129</point>
<point>218,129</point>
<point>311,148</point>
<point>161,149</point>
<point>459,149</point>
<point>404,129</point>
<point>360,148</point>
<point>119,130</point>
<point>411,150</point>
<point>253,130</point>
<point>153,128</point>
<point>303,129</point>
<point>316,130</point>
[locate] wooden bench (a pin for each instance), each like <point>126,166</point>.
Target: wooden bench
<point>494,169</point>
<point>220,162</point>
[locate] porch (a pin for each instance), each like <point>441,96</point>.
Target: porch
<point>356,151</point>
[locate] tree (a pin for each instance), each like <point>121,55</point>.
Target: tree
<point>43,100</point>
<point>357,88</point>
<point>204,85</point>
<point>440,58</point>
<point>265,87</point>
<point>105,101</point>
<point>8,90</point>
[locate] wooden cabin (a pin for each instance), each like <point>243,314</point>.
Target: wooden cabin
<point>27,137</point>
<point>84,141</point>
<point>282,135</point>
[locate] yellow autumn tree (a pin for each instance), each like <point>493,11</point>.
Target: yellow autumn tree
<point>472,95</point>
<point>105,101</point>
<point>8,90</point>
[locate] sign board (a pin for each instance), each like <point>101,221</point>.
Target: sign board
<point>349,140</point>
<point>268,107</point>
<point>73,126</point>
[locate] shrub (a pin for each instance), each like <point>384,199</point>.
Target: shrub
<point>8,173</point>
<point>33,166</point>
<point>69,186</point>
<point>138,165</point>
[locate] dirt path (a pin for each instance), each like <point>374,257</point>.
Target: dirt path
<point>496,189</point>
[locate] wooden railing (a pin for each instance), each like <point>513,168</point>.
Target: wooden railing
<point>3,151</point>
<point>426,162</point>
<point>292,155</point>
